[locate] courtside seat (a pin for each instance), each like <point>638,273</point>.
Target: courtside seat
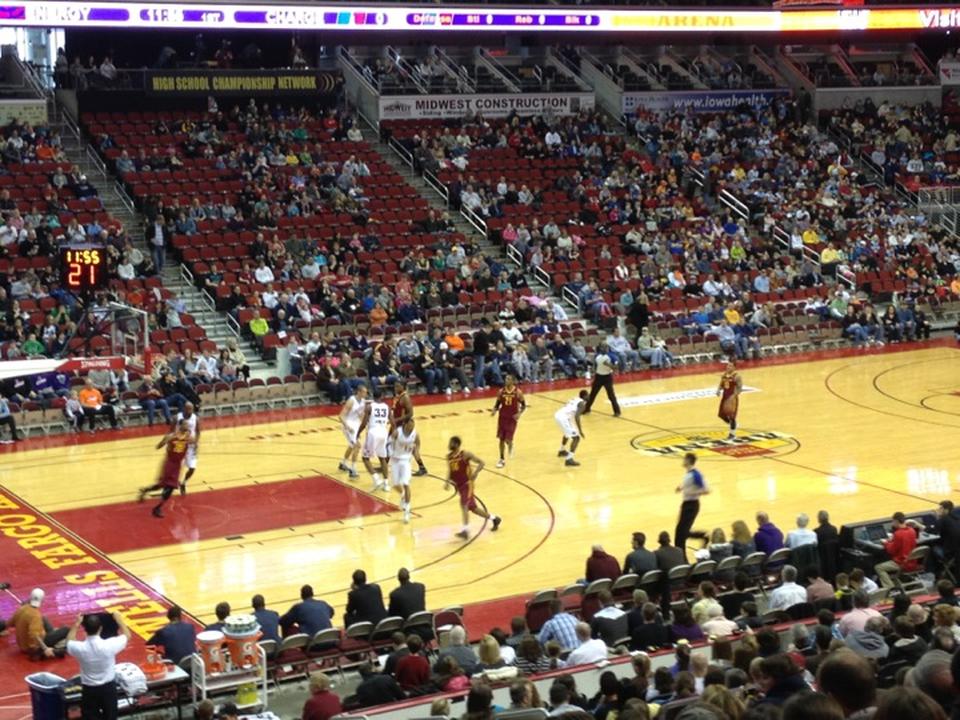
<point>651,582</point>
<point>355,647</point>
<point>223,393</point>
<point>444,620</point>
<point>323,650</point>
<point>703,570</point>
<point>538,609</point>
<point>277,392</point>
<point>420,623</point>
<point>291,658</point>
<point>242,397</point>
<point>591,597</point>
<point>381,636</point>
<point>32,417</point>
<point>572,597</point>
<point>259,393</point>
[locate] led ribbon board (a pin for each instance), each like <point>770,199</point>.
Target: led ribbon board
<point>538,19</point>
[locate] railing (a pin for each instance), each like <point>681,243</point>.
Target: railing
<point>514,256</point>
<point>509,79</point>
<point>734,203</point>
<point>400,151</point>
<point>570,296</point>
<point>478,223</point>
<point>945,195</point>
<point>408,71</point>
<point>95,160</point>
<point>434,182</point>
<point>371,84</point>
<point>454,69</point>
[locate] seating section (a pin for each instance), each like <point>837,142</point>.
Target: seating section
<point>46,202</point>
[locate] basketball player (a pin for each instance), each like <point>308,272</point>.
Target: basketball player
<point>403,411</point>
<point>461,477</point>
<point>376,420</point>
<point>189,416</point>
<point>350,417</point>
<point>511,404</point>
<point>729,393</point>
<point>568,418</point>
<point>692,488</point>
<point>177,442</point>
<point>404,443</point>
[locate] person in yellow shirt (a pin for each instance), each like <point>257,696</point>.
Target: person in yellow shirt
<point>35,635</point>
<point>830,255</point>
<point>732,314</point>
<point>955,286</point>
<point>91,400</point>
<point>810,236</point>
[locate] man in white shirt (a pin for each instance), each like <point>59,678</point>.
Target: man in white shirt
<point>263,274</point>
<point>552,139</point>
<point>802,535</point>
<point>270,297</point>
<point>97,658</point>
<point>310,269</point>
<point>511,334</point>
<point>789,593</point>
<point>590,651</point>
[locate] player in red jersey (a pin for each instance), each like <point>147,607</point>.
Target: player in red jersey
<point>177,441</point>
<point>511,404</point>
<point>402,411</point>
<point>463,479</point>
<point>729,394</point>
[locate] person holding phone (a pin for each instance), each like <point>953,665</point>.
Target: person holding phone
<point>97,657</point>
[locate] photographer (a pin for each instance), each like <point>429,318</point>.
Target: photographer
<point>97,657</point>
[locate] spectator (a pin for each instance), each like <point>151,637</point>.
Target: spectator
<point>322,703</point>
<point>269,619</point>
<point>560,627</point>
<point>6,418</point>
<point>768,537</point>
<point>802,535</point>
<point>91,399</point>
<point>742,540</point>
<point>177,637</point>
<point>601,565</point>
<point>308,616</point>
<point>779,678</point>
<point>589,650</point>
<point>908,702</point>
<point>400,650</point>
<point>901,543</point>
<point>732,601</point>
<point>560,700</point>
<point>35,635</point>
<point>97,659</point>
<point>870,642</point>
<point>530,657</point>
<point>639,560</point>
<point>932,676</point>
<point>851,681</point>
<point>488,653</point>
<point>789,593</point>
<point>907,647</point>
<point>808,705</point>
<point>609,623</point>
<point>408,598</point>
<point>651,634</point>
<point>857,618</point>
<point>518,630</point>
<point>818,589</point>
<point>716,625</point>
<point>374,689</point>
<point>684,627</point>
<point>413,670</point>
<point>450,676</point>
<point>458,649</point>
<point>364,601</point>
<point>707,598</point>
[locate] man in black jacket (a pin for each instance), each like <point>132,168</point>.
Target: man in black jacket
<point>364,601</point>
<point>652,634</point>
<point>375,689</point>
<point>828,546</point>
<point>948,528</point>
<point>408,598</point>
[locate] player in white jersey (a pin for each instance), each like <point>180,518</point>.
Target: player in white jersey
<point>351,415</point>
<point>568,418</point>
<point>405,444</point>
<point>189,415</point>
<point>376,421</point>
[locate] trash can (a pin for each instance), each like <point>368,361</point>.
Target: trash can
<point>46,696</point>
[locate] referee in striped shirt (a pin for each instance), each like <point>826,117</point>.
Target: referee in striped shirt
<point>692,487</point>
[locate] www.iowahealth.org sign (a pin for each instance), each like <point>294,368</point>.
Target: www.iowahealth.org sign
<point>254,82</point>
<point>699,100</point>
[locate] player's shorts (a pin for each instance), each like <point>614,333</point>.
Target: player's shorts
<point>567,425</point>
<point>467,499</point>
<point>506,429</point>
<point>190,459</point>
<point>400,472</point>
<point>375,444</point>
<point>350,433</point>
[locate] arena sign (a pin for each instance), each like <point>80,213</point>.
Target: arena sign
<point>246,82</point>
<point>436,19</point>
<point>438,107</point>
<point>699,100</point>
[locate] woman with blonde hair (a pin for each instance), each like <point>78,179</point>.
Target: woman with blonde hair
<point>440,708</point>
<point>743,543</point>
<point>721,698</point>
<point>322,703</point>
<point>489,653</point>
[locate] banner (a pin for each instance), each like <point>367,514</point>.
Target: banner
<point>25,111</point>
<point>439,107</point>
<point>239,82</point>
<point>699,100</point>
<point>949,71</point>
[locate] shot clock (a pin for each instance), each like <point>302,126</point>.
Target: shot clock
<point>83,268</point>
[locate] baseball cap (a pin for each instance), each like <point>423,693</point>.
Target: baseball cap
<point>443,346</point>
<point>36,597</point>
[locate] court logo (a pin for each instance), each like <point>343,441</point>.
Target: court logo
<point>713,444</point>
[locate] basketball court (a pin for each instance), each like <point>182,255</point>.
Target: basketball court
<point>860,433</point>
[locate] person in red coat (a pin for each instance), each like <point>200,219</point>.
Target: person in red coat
<point>322,704</point>
<point>413,670</point>
<point>898,547</point>
<point>601,564</point>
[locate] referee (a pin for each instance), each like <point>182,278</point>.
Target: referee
<point>97,657</point>
<point>692,487</point>
<point>603,378</point>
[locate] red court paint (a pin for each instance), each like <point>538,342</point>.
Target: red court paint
<point>220,513</point>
